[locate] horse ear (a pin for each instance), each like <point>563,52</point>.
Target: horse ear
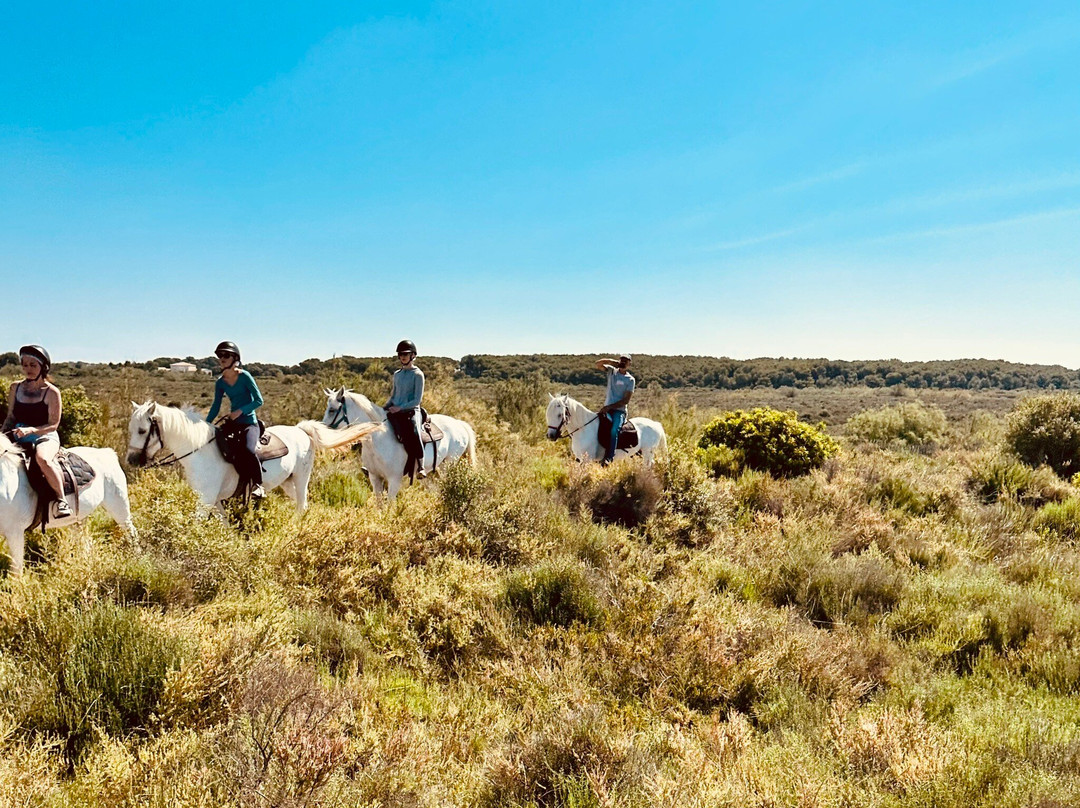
<point>327,392</point>
<point>134,406</point>
<point>153,408</point>
<point>551,396</point>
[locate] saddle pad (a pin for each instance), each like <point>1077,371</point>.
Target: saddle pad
<point>270,447</point>
<point>628,435</point>
<point>81,472</point>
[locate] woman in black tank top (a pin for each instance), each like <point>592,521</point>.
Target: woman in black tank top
<point>34,409</point>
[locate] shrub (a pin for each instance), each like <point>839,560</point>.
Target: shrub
<point>518,402</point>
<point>771,440</point>
<point>1046,430</point>
<point>720,461</point>
<point>1060,519</point>
<point>339,488</point>
<point>910,424</point>
<point>103,668</point>
<point>558,765</point>
<point>626,493</point>
<point>333,642</point>
<point>691,508</point>
<point>557,593</point>
<point>79,418</point>
<point>1004,477</point>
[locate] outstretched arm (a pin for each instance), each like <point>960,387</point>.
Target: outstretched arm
<point>606,364</point>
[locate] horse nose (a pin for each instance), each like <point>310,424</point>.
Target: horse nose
<point>133,458</point>
<point>553,433</point>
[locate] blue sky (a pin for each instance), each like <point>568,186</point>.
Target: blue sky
<point>846,180</point>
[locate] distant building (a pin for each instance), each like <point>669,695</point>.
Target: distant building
<point>207,371</point>
<point>182,367</point>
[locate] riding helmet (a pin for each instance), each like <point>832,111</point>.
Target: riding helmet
<point>406,345</point>
<point>227,347</point>
<point>40,354</point>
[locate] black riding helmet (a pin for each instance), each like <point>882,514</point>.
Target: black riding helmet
<point>406,345</point>
<point>227,347</point>
<point>40,354</point>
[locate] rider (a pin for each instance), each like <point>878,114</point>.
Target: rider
<point>620,386</point>
<point>244,398</point>
<point>34,416</point>
<point>403,407</point>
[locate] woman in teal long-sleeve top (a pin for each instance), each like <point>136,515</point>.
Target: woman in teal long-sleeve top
<point>244,399</point>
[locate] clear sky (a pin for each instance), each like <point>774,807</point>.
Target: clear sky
<point>848,180</point>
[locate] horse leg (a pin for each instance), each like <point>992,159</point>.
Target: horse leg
<point>378,484</point>
<point>16,543</point>
<point>118,506</point>
<point>393,485</point>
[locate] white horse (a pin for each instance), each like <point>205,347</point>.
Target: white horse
<point>18,501</point>
<point>184,433</point>
<point>384,456</point>
<point>566,416</point>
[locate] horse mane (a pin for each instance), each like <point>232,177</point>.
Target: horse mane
<point>6,444</point>
<point>366,406</point>
<point>185,424</point>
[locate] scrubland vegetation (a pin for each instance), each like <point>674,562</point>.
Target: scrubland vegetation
<point>893,622</point>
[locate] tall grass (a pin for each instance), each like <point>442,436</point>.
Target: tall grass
<point>893,628</point>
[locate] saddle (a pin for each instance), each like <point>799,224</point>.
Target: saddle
<point>230,441</point>
<point>75,473</point>
<point>628,435</point>
<point>429,433</point>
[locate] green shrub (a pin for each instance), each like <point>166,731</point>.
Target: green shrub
<point>99,669</point>
<point>1061,519</point>
<point>720,461</point>
<point>771,440</point>
<point>558,593</point>
<point>896,493</point>
<point>1046,430</point>
<point>691,508</point>
<point>80,417</point>
<point>518,402</point>
<point>333,642</point>
<point>339,488</point>
<point>911,424</point>
<point>1005,477</point>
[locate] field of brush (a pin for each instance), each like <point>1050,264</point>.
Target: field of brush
<point>900,627</point>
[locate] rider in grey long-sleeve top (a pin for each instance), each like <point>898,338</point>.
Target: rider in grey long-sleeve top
<point>403,407</point>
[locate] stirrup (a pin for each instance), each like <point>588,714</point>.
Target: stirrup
<point>61,509</point>
<point>258,491</point>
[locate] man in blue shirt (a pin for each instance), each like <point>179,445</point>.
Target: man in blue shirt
<point>620,386</point>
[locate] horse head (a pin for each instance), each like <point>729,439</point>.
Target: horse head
<point>336,413</point>
<point>558,413</point>
<point>144,434</point>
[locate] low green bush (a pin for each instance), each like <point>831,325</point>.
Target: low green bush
<point>721,461</point>
<point>335,643</point>
<point>1060,519</point>
<point>556,593</point>
<point>1045,430</point>
<point>911,424</point>
<point>80,417</point>
<point>339,488</point>
<point>1002,476</point>
<point>771,440</point>
<point>103,668</point>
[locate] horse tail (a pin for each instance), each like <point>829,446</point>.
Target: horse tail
<point>323,437</point>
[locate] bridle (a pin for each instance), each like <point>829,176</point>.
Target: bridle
<point>565,419</point>
<point>342,415</point>
<point>155,431</point>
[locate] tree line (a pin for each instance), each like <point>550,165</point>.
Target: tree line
<point>665,371</point>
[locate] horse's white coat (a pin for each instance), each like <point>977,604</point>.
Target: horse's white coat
<point>567,416</point>
<point>213,478</point>
<point>18,501</point>
<point>384,457</point>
